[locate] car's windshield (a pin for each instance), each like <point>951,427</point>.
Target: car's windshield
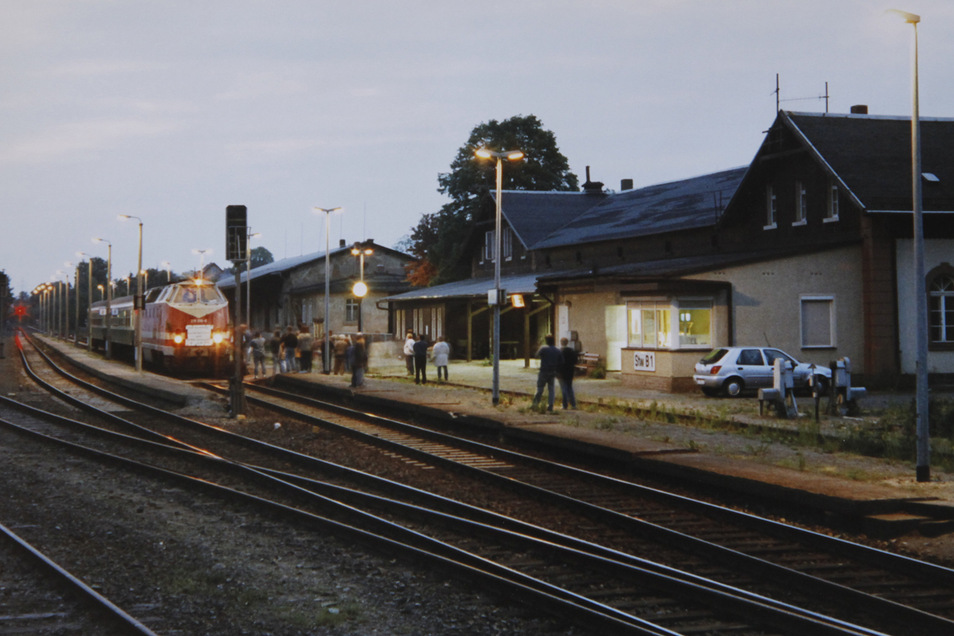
<point>196,294</point>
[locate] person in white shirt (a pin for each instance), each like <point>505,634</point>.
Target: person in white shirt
<point>409,352</point>
<point>441,353</point>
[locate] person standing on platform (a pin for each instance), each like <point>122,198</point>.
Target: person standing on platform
<point>275,346</point>
<point>258,353</point>
<point>550,362</point>
<point>289,347</point>
<point>441,353</point>
<point>420,359</point>
<point>305,343</point>
<point>340,349</point>
<point>359,361</point>
<point>409,352</point>
<point>567,371</point>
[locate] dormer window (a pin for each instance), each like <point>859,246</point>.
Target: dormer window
<point>831,214</point>
<point>771,209</point>
<point>506,245</point>
<point>801,204</point>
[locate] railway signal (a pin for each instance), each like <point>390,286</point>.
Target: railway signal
<point>236,250</point>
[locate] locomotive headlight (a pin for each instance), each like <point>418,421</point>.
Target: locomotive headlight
<point>178,338</point>
<point>218,337</point>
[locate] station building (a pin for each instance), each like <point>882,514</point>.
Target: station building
<point>809,248</point>
<point>291,291</point>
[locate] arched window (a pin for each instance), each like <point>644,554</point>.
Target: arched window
<point>941,308</point>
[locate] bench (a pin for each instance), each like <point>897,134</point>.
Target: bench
<point>586,363</point>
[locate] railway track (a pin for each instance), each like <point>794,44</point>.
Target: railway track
<point>621,585</point>
<point>38,596</point>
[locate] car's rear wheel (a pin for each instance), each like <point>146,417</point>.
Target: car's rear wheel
<point>733,387</point>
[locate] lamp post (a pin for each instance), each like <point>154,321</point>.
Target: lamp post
<point>166,265</point>
<point>360,289</point>
<point>89,299</point>
<point>201,254</point>
<point>137,302</point>
<point>922,422</point>
<point>248,276</point>
<point>511,155</point>
<point>76,271</point>
<point>109,290</point>
<point>326,353</point>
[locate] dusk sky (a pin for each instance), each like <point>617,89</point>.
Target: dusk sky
<point>172,110</point>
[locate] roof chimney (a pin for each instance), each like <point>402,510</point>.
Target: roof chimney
<point>592,187</point>
<point>626,184</point>
<point>859,109</point>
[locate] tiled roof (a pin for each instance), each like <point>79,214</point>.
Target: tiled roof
<point>278,267</point>
<point>471,288</point>
<point>533,215</point>
<point>667,207</point>
<point>872,156</point>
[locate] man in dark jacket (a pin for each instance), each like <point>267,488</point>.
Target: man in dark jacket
<point>567,371</point>
<point>550,362</point>
<point>420,359</point>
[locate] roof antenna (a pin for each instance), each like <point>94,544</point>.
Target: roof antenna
<point>779,100</point>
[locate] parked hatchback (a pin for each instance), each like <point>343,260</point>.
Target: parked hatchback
<point>731,370</point>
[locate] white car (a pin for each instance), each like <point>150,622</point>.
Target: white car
<point>732,370</point>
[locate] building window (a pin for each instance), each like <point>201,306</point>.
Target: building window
<point>506,244</point>
<point>801,204</point>
<point>941,309</point>
<point>771,208</point>
<point>352,310</point>
<point>832,212</point>
<point>651,325</point>
<point>818,322</point>
<point>695,324</point>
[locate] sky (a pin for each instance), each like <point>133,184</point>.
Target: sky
<point>171,110</point>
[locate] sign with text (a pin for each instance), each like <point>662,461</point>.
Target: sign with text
<point>644,361</point>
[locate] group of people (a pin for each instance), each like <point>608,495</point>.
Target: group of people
<point>556,364</point>
<point>416,347</point>
<point>293,351</point>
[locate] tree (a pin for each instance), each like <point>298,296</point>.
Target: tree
<point>257,257</point>
<point>260,256</point>
<point>437,239</point>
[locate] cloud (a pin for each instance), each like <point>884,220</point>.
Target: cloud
<point>67,141</point>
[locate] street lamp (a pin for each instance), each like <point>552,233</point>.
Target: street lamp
<point>248,275</point>
<point>922,423</point>
<point>166,265</point>
<point>201,254</point>
<point>137,303</point>
<point>109,290</point>
<point>89,299</point>
<point>360,289</point>
<point>326,357</point>
<point>76,271</point>
<point>510,155</point>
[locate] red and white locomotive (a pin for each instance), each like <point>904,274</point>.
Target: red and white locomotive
<point>185,327</point>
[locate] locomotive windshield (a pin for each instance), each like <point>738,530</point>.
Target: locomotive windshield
<point>196,294</point>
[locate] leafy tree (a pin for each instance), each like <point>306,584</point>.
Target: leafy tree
<point>257,257</point>
<point>437,240</point>
<point>260,256</point>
